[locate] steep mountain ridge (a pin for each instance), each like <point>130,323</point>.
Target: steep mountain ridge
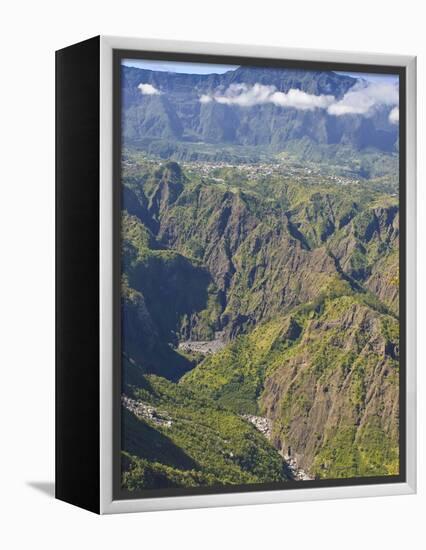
<point>259,258</point>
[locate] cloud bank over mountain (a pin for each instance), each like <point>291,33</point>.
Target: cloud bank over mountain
<point>363,99</point>
<point>247,96</point>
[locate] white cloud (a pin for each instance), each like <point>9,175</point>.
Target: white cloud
<point>302,100</point>
<point>205,98</point>
<point>244,95</point>
<point>361,99</point>
<point>257,94</point>
<point>364,97</point>
<point>148,89</point>
<point>394,116</point>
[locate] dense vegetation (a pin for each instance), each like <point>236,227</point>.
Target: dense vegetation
<point>300,277</point>
<point>204,445</point>
<point>327,375</point>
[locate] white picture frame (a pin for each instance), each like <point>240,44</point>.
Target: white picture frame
<point>108,504</point>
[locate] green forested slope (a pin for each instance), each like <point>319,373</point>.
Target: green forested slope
<point>203,445</point>
<point>299,275</point>
<point>327,375</point>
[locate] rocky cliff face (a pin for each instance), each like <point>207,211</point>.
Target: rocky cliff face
<point>256,263</point>
<point>334,399</point>
<point>264,260</point>
<point>368,249</point>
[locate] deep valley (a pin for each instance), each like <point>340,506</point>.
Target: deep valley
<point>260,293</point>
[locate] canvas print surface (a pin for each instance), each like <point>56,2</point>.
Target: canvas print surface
<point>259,275</point>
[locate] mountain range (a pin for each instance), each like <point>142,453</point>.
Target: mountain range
<point>169,114</point>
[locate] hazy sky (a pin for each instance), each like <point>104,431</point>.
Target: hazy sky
<point>209,68</point>
<point>178,67</point>
<point>373,77</point>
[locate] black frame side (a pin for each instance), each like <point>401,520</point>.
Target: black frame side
<point>118,55</point>
<point>77,466</point>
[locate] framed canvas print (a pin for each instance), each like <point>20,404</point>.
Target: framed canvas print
<point>235,275</point>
